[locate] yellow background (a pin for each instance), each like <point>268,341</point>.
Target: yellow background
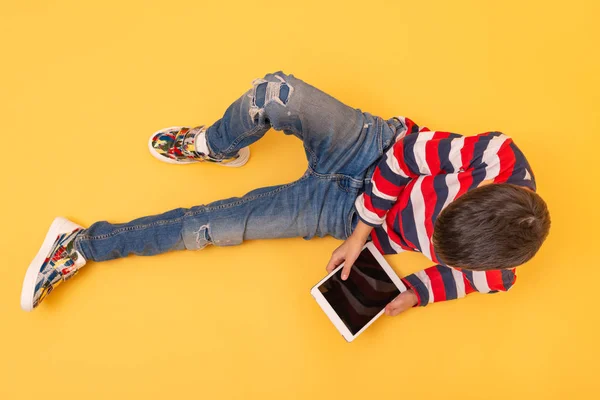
<point>84,84</point>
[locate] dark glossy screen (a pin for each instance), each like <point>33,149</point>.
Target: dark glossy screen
<point>363,295</point>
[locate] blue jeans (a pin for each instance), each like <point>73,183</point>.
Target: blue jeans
<point>342,145</point>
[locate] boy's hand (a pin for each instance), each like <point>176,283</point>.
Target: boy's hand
<point>347,253</point>
<point>403,302</point>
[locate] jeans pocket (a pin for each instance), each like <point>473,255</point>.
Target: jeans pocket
<point>349,185</point>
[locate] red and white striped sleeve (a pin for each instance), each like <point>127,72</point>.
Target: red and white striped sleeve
<point>440,283</point>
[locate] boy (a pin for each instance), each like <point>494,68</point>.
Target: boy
<point>467,203</point>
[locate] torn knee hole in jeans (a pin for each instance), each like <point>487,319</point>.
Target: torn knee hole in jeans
<point>266,92</point>
<point>202,236</point>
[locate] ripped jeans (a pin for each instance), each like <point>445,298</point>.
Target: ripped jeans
<point>342,145</point>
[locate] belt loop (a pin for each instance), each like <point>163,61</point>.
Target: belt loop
<point>369,174</point>
<point>397,126</point>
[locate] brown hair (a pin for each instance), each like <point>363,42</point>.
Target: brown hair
<point>492,227</point>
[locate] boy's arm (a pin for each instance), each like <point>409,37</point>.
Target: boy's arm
<point>439,283</point>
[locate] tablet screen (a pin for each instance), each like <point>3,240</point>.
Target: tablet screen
<point>363,295</point>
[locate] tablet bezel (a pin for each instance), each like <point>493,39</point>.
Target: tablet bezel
<point>330,312</point>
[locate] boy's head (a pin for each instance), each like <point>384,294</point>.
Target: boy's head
<point>492,227</point>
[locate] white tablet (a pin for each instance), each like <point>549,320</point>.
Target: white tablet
<point>354,304</point>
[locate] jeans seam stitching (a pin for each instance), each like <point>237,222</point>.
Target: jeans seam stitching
<point>335,176</point>
<point>347,190</point>
<point>349,221</point>
<point>313,157</point>
<point>130,228</point>
<point>243,136</point>
<point>247,199</point>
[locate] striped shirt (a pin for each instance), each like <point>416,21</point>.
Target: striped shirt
<point>416,179</point>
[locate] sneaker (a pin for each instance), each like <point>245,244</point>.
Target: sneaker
<point>57,261</point>
<point>177,145</point>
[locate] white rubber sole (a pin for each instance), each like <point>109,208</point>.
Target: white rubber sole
<point>240,161</point>
<point>59,225</point>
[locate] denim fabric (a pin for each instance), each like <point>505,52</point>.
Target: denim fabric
<point>342,145</point>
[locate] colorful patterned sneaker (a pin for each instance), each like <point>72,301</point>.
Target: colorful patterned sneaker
<point>177,145</point>
<point>56,262</point>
